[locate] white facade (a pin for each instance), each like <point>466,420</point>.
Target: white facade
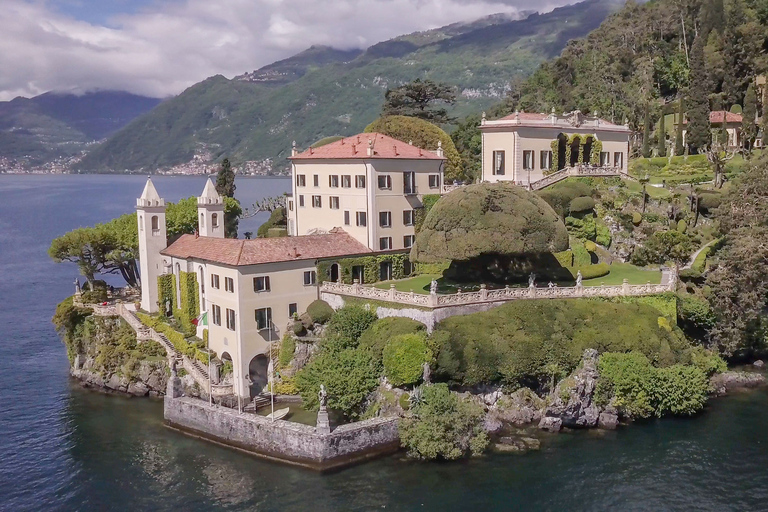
<point>210,212</point>
<point>150,213</point>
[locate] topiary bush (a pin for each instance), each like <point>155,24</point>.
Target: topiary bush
<point>637,218</point>
<point>682,226</point>
<point>590,246</point>
<point>404,357</point>
<point>382,330</point>
<point>581,205</point>
<point>349,323</point>
<point>591,271</point>
<point>320,312</point>
<point>443,426</point>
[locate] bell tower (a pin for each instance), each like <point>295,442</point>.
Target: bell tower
<point>210,212</point>
<point>150,213</point>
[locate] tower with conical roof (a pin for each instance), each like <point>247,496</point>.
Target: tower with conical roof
<point>210,212</point>
<point>150,212</point>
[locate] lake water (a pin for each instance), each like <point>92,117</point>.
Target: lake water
<point>63,448</point>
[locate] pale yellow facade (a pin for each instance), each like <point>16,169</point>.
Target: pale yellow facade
<point>372,200</point>
<point>520,149</point>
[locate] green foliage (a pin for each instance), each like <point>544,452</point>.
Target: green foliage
<point>403,358</point>
<point>188,307</point>
<point>166,291</point>
<point>277,218</point>
<point>591,271</point>
<point>663,246</point>
<point>371,267</point>
<point>96,296</point>
<point>707,361</point>
<point>560,196</point>
<point>497,218</point>
<point>564,258</point>
<point>582,205</point>
<point>432,268</point>
<point>422,99</point>
<point>640,390</point>
<point>590,246</point>
<point>682,226</point>
<point>427,202</point>
<point>582,228</point>
<point>424,135</point>
<point>320,312</point>
<point>68,321</point>
<point>404,401</point>
<point>287,348</point>
<point>177,339</point>
<point>225,180</point>
<point>349,375</point>
<point>698,134</point>
<point>581,257</point>
<point>326,140</point>
<point>376,337</point>
<point>637,218</point>
<point>515,342</point>
<point>349,323</point>
<point>468,141</point>
<point>443,426</point>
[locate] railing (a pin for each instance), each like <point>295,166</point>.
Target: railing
<point>585,170</point>
<point>668,284</point>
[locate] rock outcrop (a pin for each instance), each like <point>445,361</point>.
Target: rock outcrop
<point>573,397</point>
<point>149,378</point>
<point>724,382</point>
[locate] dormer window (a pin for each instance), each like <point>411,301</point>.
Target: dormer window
<point>215,220</point>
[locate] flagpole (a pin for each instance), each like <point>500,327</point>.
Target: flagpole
<point>271,373</point>
<point>210,379</point>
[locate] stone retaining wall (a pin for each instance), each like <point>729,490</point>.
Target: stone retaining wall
<point>283,440</point>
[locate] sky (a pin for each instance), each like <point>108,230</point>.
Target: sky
<point>160,47</point>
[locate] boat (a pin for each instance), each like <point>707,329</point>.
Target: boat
<point>279,414</point>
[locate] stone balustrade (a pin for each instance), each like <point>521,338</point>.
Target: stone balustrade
<point>484,295</point>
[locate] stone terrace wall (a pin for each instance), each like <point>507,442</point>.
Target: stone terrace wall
<point>283,440</point>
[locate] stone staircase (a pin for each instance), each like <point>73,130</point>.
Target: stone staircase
<point>258,402</point>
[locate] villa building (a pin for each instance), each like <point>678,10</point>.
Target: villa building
<point>524,147</point>
<point>732,127</point>
<point>370,185</point>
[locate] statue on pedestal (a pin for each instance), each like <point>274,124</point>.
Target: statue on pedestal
<point>578,278</point>
<point>532,280</point>
<point>426,374</point>
<point>323,425</point>
<point>433,287</point>
<point>322,397</point>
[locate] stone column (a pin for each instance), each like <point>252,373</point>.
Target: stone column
<point>625,287</point>
<point>174,383</point>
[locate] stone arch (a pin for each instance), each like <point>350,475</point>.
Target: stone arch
<point>562,141</point>
<point>574,147</point>
<point>257,370</point>
<point>588,143</point>
<point>155,223</point>
<point>215,220</point>
<point>335,273</point>
<point>226,357</point>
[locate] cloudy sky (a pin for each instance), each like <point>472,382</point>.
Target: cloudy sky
<point>160,47</point>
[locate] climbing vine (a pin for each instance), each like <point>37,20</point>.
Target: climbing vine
<point>597,148</point>
<point>166,291</point>
<point>370,266</point>
<point>189,303</point>
<point>555,145</point>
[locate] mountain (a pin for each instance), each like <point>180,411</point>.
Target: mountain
<point>55,125</point>
<point>323,92</point>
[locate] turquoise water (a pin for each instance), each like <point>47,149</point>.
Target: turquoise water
<point>63,448</point>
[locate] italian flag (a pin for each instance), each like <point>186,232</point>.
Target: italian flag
<point>202,320</point>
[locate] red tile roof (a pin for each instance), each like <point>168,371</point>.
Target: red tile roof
<point>356,146</point>
<point>730,117</point>
<point>235,252</point>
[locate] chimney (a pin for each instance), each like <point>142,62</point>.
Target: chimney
<point>358,139</point>
<point>295,252</point>
<point>311,150</point>
<point>342,141</point>
<point>440,151</point>
<point>370,147</point>
<point>294,151</point>
<point>419,151</point>
<point>354,149</point>
<point>394,147</point>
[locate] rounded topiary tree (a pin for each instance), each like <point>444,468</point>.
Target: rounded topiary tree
<point>485,229</point>
<point>404,358</point>
<point>424,135</point>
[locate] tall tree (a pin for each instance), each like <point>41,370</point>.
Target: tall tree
<point>661,135</point>
<point>423,99</point>
<point>225,186</point>
<point>679,147</point>
<point>737,54</point>
<point>698,133</point>
<point>748,118</point>
<point>646,149</point>
<point>711,17</point>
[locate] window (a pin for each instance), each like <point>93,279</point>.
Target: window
<point>346,181</point>
<point>310,277</point>
<point>317,202</point>
<point>407,267</point>
<point>316,180</point>
<point>498,162</point>
<point>155,223</point>
<point>290,206</point>
<point>141,223</point>
<point>605,158</point>
<point>215,220</point>
<point>301,201</point>
<point>333,181</point>
<point>409,217</point>
<point>216,310</point>
<point>408,241</point>
<point>231,319</point>
<point>361,219</point>
<point>385,270</point>
<point>409,182</point>
<point>527,160</point>
<point>385,243</point>
<point>261,284</point>
<point>360,181</point>
<point>434,181</point>
<point>334,203</point>
<point>618,159</point>
<point>385,182</point>
<point>385,219</point>
<point>358,273</point>
<point>545,160</point>
<point>301,180</point>
<point>263,318</point>
<point>202,221</point>
<point>215,281</point>
<point>346,218</point>
<point>293,309</point>
<point>229,284</point>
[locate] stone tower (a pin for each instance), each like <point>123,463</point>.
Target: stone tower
<point>150,212</point>
<point>210,212</point>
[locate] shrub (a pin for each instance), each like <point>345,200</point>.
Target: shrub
<point>96,296</point>
<point>151,348</point>
<point>603,234</point>
<point>581,205</point>
<point>404,357</point>
<point>349,375</point>
<point>682,226</point>
<point>637,218</point>
<point>277,219</point>
<point>707,361</point>
<point>564,258</point>
<point>405,401</point>
<point>349,323</point>
<point>287,348</point>
<point>591,271</point>
<point>680,390</point>
<point>320,312</point>
<point>298,328</point>
<point>663,246</point>
<point>695,312</point>
<point>382,330</point>
<point>443,426</point>
<point>581,257</point>
<point>590,246</point>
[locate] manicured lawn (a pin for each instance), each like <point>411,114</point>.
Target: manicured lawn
<point>653,192</point>
<point>419,284</point>
<point>621,271</point>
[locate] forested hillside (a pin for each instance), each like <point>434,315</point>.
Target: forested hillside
<point>324,92</point>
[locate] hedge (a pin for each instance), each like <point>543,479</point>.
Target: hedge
<point>404,357</point>
<point>320,312</point>
<point>349,323</point>
<point>582,205</point>
<point>376,337</point>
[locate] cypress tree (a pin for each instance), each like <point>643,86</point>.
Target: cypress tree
<point>225,186</point>
<point>646,150</point>
<point>748,116</point>
<point>698,133</point>
<point>679,149</point>
<point>662,136</point>
<point>736,55</point>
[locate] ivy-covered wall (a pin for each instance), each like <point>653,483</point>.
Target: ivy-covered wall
<point>594,154</point>
<point>189,301</point>
<point>370,266</point>
<point>427,202</point>
<point>166,291</point>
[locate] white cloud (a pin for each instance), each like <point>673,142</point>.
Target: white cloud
<point>161,50</point>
